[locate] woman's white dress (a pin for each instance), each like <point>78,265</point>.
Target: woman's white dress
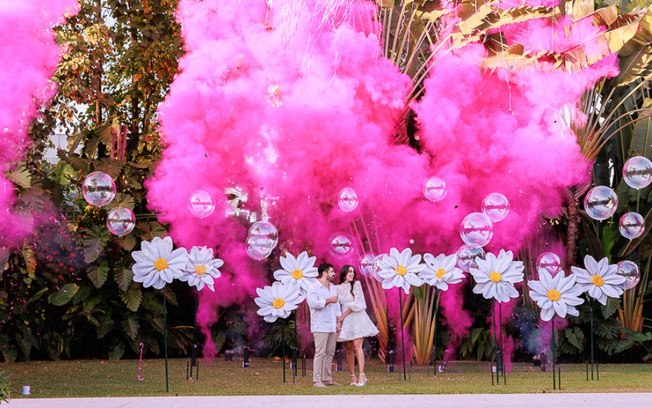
<point>357,324</point>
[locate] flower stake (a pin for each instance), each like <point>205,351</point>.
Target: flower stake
<point>495,277</point>
<point>157,264</point>
<point>278,301</point>
<point>600,281</point>
<point>441,271</point>
<point>556,296</point>
<point>401,271</point>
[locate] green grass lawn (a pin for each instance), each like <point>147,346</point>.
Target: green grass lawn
<point>99,378</point>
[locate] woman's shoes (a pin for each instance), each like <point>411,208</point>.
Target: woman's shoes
<point>362,381</point>
<point>353,380</point>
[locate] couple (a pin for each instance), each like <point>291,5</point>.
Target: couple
<point>337,313</point>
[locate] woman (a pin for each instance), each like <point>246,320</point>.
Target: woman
<point>356,325</point>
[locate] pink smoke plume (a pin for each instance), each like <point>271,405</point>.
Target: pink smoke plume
<point>504,131</point>
<point>292,101</point>
<point>28,58</point>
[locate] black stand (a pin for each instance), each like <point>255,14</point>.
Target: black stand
<point>193,364</point>
<point>400,311</point>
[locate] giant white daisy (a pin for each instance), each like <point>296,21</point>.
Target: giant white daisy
<point>495,276</point>
<point>401,270</point>
<point>278,300</point>
<point>441,271</point>
<point>157,264</point>
<point>299,272</point>
<point>201,269</point>
<point>599,279</point>
<point>558,295</point>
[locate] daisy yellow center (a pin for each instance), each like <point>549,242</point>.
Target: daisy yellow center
<point>278,303</point>
<point>200,269</point>
<point>161,264</point>
<point>297,274</point>
<point>440,273</point>
<point>597,280</point>
<point>401,270</point>
<point>495,277</point>
<point>554,295</point>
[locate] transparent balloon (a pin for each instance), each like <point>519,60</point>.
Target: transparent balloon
<point>466,257</point>
<point>348,199</point>
<point>630,271</point>
<point>257,252</point>
<point>631,225</point>
<point>637,172</point>
<point>98,189</point>
<point>435,189</point>
<point>201,204</point>
<point>496,206</point>
<point>367,264</point>
<point>476,230</point>
<point>549,261</point>
<point>376,269</point>
<point>600,203</point>
<point>263,235</point>
<point>120,221</point>
<point>341,244</point>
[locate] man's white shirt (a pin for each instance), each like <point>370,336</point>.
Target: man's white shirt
<point>323,317</point>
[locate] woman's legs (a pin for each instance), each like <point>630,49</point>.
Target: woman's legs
<point>348,347</point>
<point>357,346</point>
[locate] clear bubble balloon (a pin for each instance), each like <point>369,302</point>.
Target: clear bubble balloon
<point>496,206</point>
<point>600,203</point>
<point>637,172</point>
<point>376,269</point>
<point>201,204</point>
<point>258,248</point>
<point>264,235</point>
<point>98,189</point>
<point>120,221</point>
<point>367,264</point>
<point>435,189</point>
<point>348,199</point>
<point>630,271</point>
<point>549,261</point>
<point>476,230</point>
<point>631,225</point>
<point>466,256</point>
<point>341,244</point>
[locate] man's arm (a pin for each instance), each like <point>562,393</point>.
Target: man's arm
<point>313,299</point>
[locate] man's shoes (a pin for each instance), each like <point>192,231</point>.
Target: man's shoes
<point>319,385</point>
<point>333,384</point>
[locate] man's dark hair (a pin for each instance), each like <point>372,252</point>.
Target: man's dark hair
<point>323,268</point>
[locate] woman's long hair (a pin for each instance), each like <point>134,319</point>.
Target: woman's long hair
<point>344,271</point>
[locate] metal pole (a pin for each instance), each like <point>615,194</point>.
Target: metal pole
<point>552,351</point>
<point>496,349</point>
<point>434,339</point>
<point>165,340</point>
<point>592,359</point>
<point>400,311</point>
<point>283,347</point>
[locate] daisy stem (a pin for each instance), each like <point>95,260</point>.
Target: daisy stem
<point>400,307</point>
<point>434,336</point>
<point>165,340</point>
<point>552,351</point>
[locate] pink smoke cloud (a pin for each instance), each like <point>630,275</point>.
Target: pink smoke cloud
<point>293,102</point>
<point>504,131</point>
<point>28,58</point>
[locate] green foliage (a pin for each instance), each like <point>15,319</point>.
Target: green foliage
<point>5,387</point>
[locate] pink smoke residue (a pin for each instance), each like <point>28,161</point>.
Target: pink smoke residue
<point>292,101</point>
<point>28,58</point>
<point>504,130</point>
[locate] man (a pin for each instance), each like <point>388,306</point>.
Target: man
<point>324,310</point>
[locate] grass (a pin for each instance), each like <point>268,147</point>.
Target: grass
<point>100,378</point>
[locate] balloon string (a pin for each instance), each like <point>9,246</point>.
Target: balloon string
<point>140,363</point>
